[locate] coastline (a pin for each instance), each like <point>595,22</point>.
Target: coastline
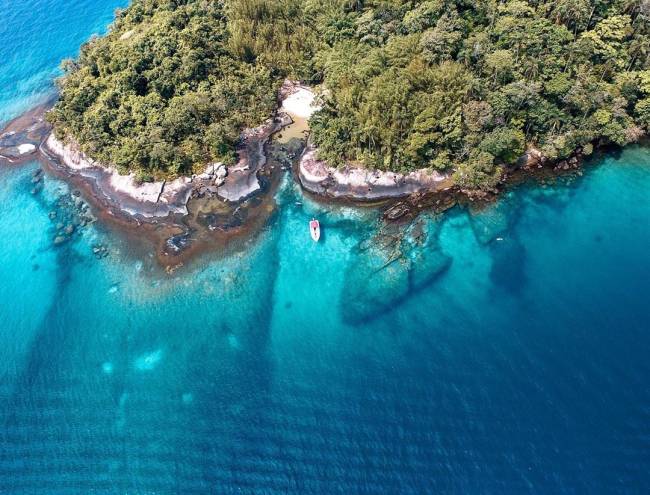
<point>189,215</point>
<point>179,219</point>
<point>365,185</point>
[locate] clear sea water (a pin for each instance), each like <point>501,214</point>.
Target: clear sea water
<point>514,356</point>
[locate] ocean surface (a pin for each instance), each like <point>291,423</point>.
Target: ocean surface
<point>505,351</point>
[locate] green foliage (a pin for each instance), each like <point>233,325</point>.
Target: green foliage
<point>457,85</point>
<point>478,82</point>
<point>173,84</point>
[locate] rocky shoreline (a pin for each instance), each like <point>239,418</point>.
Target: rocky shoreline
<point>180,218</point>
<point>364,185</point>
<point>190,214</point>
<point>154,199</point>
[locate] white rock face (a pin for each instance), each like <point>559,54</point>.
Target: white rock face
<point>221,172</point>
<point>149,192</point>
<point>72,158</point>
<point>316,176</point>
<point>23,149</point>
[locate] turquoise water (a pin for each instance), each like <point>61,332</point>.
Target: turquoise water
<point>35,35</point>
<point>510,354</point>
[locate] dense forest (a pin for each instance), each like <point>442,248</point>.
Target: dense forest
<point>457,85</point>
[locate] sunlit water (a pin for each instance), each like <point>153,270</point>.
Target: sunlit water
<point>511,356</point>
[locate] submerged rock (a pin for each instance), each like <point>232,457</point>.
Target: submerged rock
<point>397,211</point>
<point>373,285</point>
<point>493,220</point>
<point>178,243</point>
<point>383,276</point>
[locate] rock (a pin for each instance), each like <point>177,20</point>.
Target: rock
<point>59,226</point>
<point>205,176</point>
<point>178,243</point>
<point>221,172</point>
<point>52,215</point>
<point>59,239</point>
<point>396,211</point>
<point>69,229</point>
<point>219,182</point>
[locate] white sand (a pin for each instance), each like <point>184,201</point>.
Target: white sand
<point>300,103</point>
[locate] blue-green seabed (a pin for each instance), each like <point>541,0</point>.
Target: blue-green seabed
<point>518,363</point>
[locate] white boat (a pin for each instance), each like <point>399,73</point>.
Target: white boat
<point>314,229</point>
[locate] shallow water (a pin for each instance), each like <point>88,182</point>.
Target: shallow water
<point>521,366</point>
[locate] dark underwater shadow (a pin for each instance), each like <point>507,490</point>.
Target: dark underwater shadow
<point>231,397</point>
<point>380,277</point>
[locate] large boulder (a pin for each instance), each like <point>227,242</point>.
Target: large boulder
<point>221,172</point>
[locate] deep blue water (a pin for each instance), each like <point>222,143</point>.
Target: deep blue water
<point>513,356</point>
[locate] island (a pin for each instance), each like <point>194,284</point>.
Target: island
<point>181,120</point>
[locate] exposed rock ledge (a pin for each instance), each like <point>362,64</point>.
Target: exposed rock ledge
<point>153,199</point>
<point>243,180</point>
<point>361,184</point>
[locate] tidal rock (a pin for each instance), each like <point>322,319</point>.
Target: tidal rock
<point>383,276</point>
<point>59,239</point>
<point>52,215</point>
<point>396,212</point>
<point>494,220</point>
<point>69,229</point>
<point>221,172</point>
<point>178,243</point>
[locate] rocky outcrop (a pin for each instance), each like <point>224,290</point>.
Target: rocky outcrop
<point>362,184</point>
<point>241,180</point>
<point>20,139</point>
<point>150,199</point>
<point>389,269</point>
